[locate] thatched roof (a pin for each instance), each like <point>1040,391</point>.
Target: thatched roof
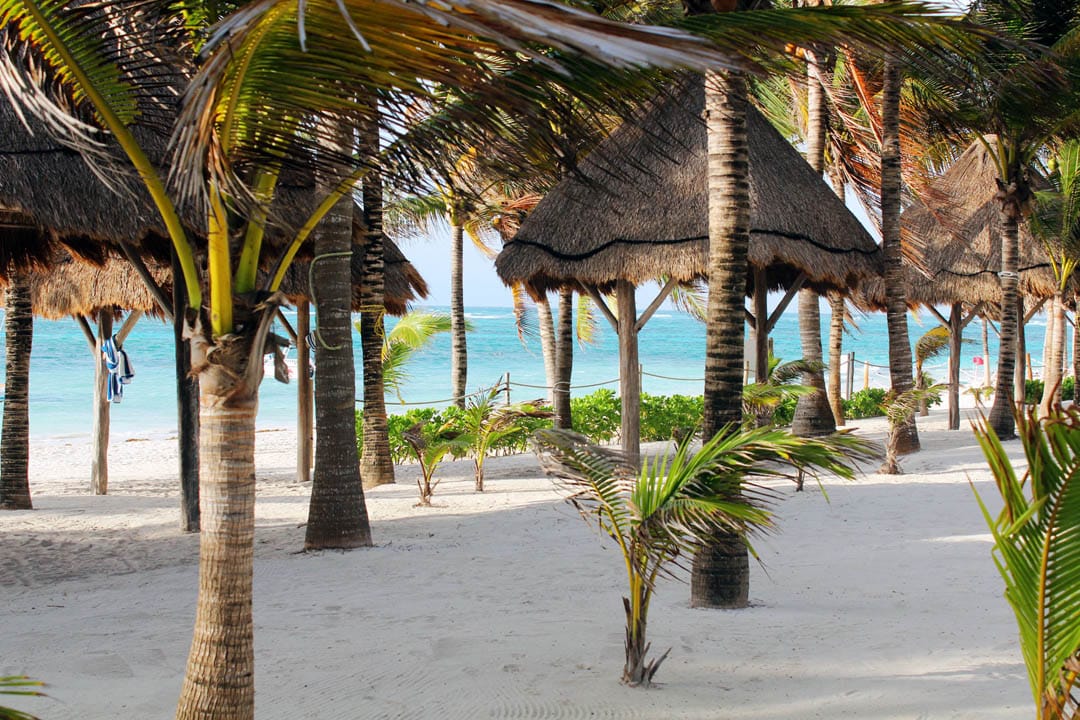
<point>70,287</point>
<point>402,281</point>
<point>957,237</point>
<point>641,210</point>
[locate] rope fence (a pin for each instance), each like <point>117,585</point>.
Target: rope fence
<point>873,375</point>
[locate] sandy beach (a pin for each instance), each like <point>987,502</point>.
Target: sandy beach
<point>880,603</point>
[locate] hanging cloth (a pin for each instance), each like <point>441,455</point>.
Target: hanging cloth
<point>119,366</point>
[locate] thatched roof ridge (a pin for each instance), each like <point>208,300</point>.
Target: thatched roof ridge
<point>70,287</point>
<point>641,210</point>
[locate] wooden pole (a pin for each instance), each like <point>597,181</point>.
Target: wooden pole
<point>986,351</point>
<point>956,331</point>
<point>865,375</point>
<point>761,326</point>
<point>187,407</point>
<point>629,380</point>
<point>850,384</point>
<point>99,463</point>
<point>305,398</point>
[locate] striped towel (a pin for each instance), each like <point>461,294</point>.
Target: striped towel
<point>119,366</point>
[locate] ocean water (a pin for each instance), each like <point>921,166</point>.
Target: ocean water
<point>672,352</point>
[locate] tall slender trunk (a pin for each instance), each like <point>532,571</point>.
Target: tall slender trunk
<point>15,437</point>
<point>99,434</point>
<point>376,465</point>
<point>547,344</point>
<point>836,352</point>
<point>721,570</point>
<point>903,436</point>
<point>986,350</point>
<point>1053,359</point>
<point>187,407</point>
<point>220,677</point>
<point>1001,412</point>
<point>1020,368</point>
<point>813,416</point>
<point>337,515</point>
<point>305,403</point>
<point>459,360</point>
<point>1076,346</point>
<point>838,312</point>
<point>564,360</point>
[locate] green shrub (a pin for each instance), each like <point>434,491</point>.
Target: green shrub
<point>597,416</point>
<point>865,403</point>
<point>785,411</point>
<point>664,416</point>
<point>1033,391</point>
<point>1068,388</point>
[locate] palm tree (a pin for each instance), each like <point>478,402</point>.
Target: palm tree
<point>1037,551</point>
<point>410,333</point>
<point>1031,99</point>
<point>674,505</point>
<point>1056,221</point>
<point>15,438</point>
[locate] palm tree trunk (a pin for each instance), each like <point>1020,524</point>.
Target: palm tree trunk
<point>187,407</point>
<point>1020,369</point>
<point>721,570</point>
<point>1053,359</point>
<point>564,360</point>
<point>219,681</point>
<point>629,371</point>
<point>813,416</point>
<point>547,344</point>
<point>15,438</point>
<point>836,351</point>
<point>459,360</point>
<point>99,435</point>
<point>1001,412</point>
<point>903,436</point>
<point>376,465</point>
<point>337,516</point>
<point>986,349</point>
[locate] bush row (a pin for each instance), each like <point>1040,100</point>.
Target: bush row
<point>598,415</point>
<point>1033,390</point>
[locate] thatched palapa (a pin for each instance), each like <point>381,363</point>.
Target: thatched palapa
<point>71,288</point>
<point>641,211</point>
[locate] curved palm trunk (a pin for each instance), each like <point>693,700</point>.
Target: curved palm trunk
<point>219,681</point>
<point>813,415</point>
<point>459,361</point>
<point>547,344</point>
<point>836,351</point>
<point>1001,412</point>
<point>564,360</point>
<point>1053,359</point>
<point>15,437</point>
<point>376,466</point>
<point>337,516</point>
<point>903,436</point>
<point>721,570</point>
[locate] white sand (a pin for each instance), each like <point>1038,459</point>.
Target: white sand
<point>882,603</point>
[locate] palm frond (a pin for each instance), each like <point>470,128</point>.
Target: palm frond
<point>1037,550</point>
<point>585,323</point>
<point>931,344</point>
<point>414,215</point>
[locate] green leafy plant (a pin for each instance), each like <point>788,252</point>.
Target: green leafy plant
<point>597,415</point>
<point>868,402</point>
<point>18,685</point>
<point>482,425</point>
<point>1068,388</point>
<point>671,507</point>
<point>1037,550</point>
<point>1033,391</point>
<point>664,417</point>
<point>429,448</point>
<point>898,409</point>
<point>762,400</point>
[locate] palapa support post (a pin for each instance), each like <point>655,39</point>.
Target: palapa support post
<point>850,383</point>
<point>507,387</point>
<point>761,326</point>
<point>865,375</point>
<point>629,380</point>
<point>99,460</point>
<point>305,398</point>
<point>956,331</point>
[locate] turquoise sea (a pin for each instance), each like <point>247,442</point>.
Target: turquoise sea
<point>671,345</point>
